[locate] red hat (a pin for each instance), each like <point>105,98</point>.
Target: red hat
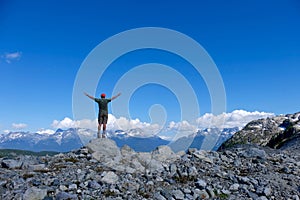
<point>103,95</point>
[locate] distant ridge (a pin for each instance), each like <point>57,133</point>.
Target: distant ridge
<point>72,139</point>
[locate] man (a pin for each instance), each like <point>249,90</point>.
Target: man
<point>103,111</point>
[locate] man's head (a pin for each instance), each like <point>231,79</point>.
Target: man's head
<point>102,95</point>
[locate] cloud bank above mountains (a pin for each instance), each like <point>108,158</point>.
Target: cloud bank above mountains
<point>237,118</point>
<point>113,124</point>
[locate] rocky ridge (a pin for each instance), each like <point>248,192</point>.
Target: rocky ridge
<point>276,132</point>
<point>103,171</point>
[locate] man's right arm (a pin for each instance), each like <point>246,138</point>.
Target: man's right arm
<point>89,96</point>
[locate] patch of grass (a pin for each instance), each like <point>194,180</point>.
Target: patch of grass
<point>73,160</point>
<point>109,193</point>
<point>43,170</point>
<point>144,194</point>
<point>184,179</point>
<point>26,176</point>
<point>221,195</point>
<point>99,169</point>
<point>58,167</point>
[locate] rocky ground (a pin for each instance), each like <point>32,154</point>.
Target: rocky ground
<point>103,171</point>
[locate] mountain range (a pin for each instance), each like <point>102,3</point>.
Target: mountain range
<point>60,141</point>
<point>70,139</point>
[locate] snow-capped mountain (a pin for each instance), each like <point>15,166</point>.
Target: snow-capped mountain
<point>208,139</point>
<point>140,144</point>
<point>61,140</point>
<point>70,139</point>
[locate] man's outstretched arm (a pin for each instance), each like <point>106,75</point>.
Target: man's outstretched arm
<point>114,97</point>
<point>89,96</point>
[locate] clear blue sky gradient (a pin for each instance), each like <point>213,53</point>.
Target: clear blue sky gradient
<point>255,45</point>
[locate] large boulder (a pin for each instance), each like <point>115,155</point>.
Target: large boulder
<point>164,154</point>
<point>127,160</point>
<point>104,150</point>
<point>11,164</point>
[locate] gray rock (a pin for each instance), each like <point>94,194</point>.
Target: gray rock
<point>192,171</point>
<point>48,198</point>
<point>189,196</point>
<point>104,150</point>
<point>178,194</point>
<point>243,179</point>
<point>148,161</point>
<point>224,191</point>
<point>34,193</point>
<point>187,191</point>
<point>252,195</point>
<point>110,177</point>
<point>167,194</point>
<point>295,197</point>
<point>262,198</point>
<point>73,187</point>
<point>55,182</point>
<point>35,182</point>
<point>127,151</point>
<point>202,194</point>
<point>11,164</point>
<point>164,154</point>
<point>63,188</point>
<point>202,155</point>
<point>211,192</point>
<point>173,169</point>
<point>94,185</point>
<point>254,153</point>
<point>158,196</point>
<point>37,167</point>
<point>201,184</point>
<point>267,191</point>
<point>234,187</point>
<point>66,196</point>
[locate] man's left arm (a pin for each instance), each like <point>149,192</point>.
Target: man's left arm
<point>114,97</point>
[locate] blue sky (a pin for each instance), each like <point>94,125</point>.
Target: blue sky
<point>254,44</point>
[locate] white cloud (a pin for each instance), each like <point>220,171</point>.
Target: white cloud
<point>69,123</point>
<point>9,57</point>
<point>179,129</point>
<point>181,126</point>
<point>19,126</point>
<point>113,124</point>
<point>237,118</point>
<point>6,131</point>
<point>122,123</point>
<point>65,123</point>
<point>45,131</point>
